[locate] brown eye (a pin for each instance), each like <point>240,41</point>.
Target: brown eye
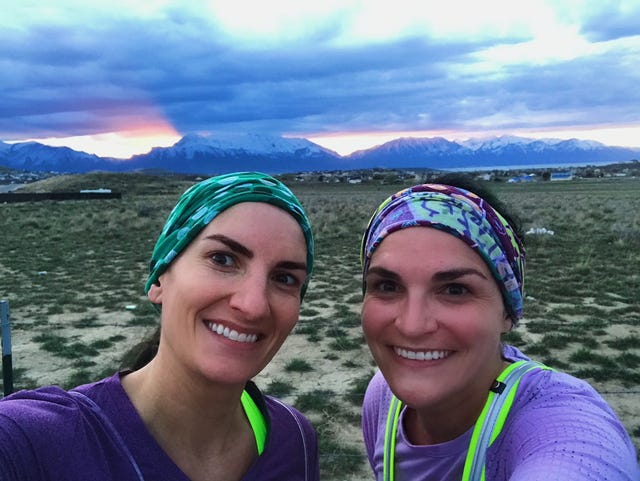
<point>382,286</point>
<point>456,290</point>
<point>222,259</point>
<point>287,279</point>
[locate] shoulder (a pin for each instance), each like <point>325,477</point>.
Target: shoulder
<point>37,430</point>
<point>377,397</point>
<point>279,415</point>
<point>48,411</point>
<point>375,408</point>
<point>49,404</point>
<point>291,451</point>
<point>561,393</point>
<point>282,414</point>
<point>560,425</point>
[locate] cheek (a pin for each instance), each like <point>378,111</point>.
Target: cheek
<point>287,314</point>
<point>374,316</point>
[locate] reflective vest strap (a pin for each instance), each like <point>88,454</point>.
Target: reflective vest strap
<point>256,420</point>
<point>492,419</point>
<point>486,429</point>
<point>388,457</point>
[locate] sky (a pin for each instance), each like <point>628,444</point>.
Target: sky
<point>116,77</point>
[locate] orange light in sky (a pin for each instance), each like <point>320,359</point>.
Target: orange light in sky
<point>131,131</point>
<point>120,145</point>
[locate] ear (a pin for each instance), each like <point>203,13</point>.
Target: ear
<point>507,324</point>
<point>155,293</point>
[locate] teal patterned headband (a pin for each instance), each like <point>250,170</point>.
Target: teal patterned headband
<point>202,202</point>
<point>464,215</point>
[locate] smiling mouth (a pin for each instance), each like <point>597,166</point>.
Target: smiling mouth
<point>421,355</point>
<point>231,334</point>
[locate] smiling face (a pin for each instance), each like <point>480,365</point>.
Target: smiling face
<point>433,315</point>
<point>231,298</point>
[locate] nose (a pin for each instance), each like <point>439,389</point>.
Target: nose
<point>250,296</point>
<point>417,316</point>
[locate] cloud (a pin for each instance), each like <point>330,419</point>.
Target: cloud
<point>104,70</point>
<point>613,21</point>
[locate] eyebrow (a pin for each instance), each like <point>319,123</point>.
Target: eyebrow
<point>443,276</point>
<point>231,244</point>
<point>382,272</point>
<point>246,252</point>
<point>454,274</point>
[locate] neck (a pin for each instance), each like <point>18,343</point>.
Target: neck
<point>180,409</point>
<point>451,419</point>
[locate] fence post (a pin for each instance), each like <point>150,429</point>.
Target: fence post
<point>7,364</point>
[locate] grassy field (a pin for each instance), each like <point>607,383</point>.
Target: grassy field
<point>73,273</point>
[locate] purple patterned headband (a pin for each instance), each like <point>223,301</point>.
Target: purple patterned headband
<point>460,213</point>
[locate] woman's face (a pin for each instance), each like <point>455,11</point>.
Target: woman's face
<point>433,315</point>
<point>233,295</point>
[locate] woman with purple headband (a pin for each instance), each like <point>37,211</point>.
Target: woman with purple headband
<point>443,280</point>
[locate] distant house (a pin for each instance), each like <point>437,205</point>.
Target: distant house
<point>561,176</point>
<point>95,191</point>
<point>522,178</point>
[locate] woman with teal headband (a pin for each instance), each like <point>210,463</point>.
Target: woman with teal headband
<point>228,273</point>
<point>443,279</point>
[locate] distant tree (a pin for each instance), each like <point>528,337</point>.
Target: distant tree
<point>546,175</point>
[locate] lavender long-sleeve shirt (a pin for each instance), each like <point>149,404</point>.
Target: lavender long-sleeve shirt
<point>559,428</point>
<point>49,435</point>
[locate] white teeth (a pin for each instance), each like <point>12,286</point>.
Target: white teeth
<point>421,355</point>
<point>231,334</point>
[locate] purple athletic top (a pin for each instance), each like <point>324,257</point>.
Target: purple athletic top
<point>559,428</point>
<point>49,434</point>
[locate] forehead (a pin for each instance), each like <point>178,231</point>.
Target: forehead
<point>236,214</point>
<point>420,245</point>
<point>256,221</point>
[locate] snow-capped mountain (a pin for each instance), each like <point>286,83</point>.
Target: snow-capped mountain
<point>252,143</point>
<point>209,155</point>
<point>226,153</point>
<point>34,156</point>
<point>439,153</point>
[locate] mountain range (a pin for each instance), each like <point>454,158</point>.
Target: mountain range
<point>197,154</point>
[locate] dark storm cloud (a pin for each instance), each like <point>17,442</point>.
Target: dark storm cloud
<point>94,76</point>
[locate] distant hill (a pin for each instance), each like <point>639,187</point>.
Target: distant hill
<point>124,183</point>
<point>34,156</point>
<point>207,155</point>
<point>439,153</point>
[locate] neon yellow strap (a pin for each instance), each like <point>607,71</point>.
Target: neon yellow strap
<point>492,418</point>
<point>486,429</point>
<point>388,465</point>
<point>256,420</point>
